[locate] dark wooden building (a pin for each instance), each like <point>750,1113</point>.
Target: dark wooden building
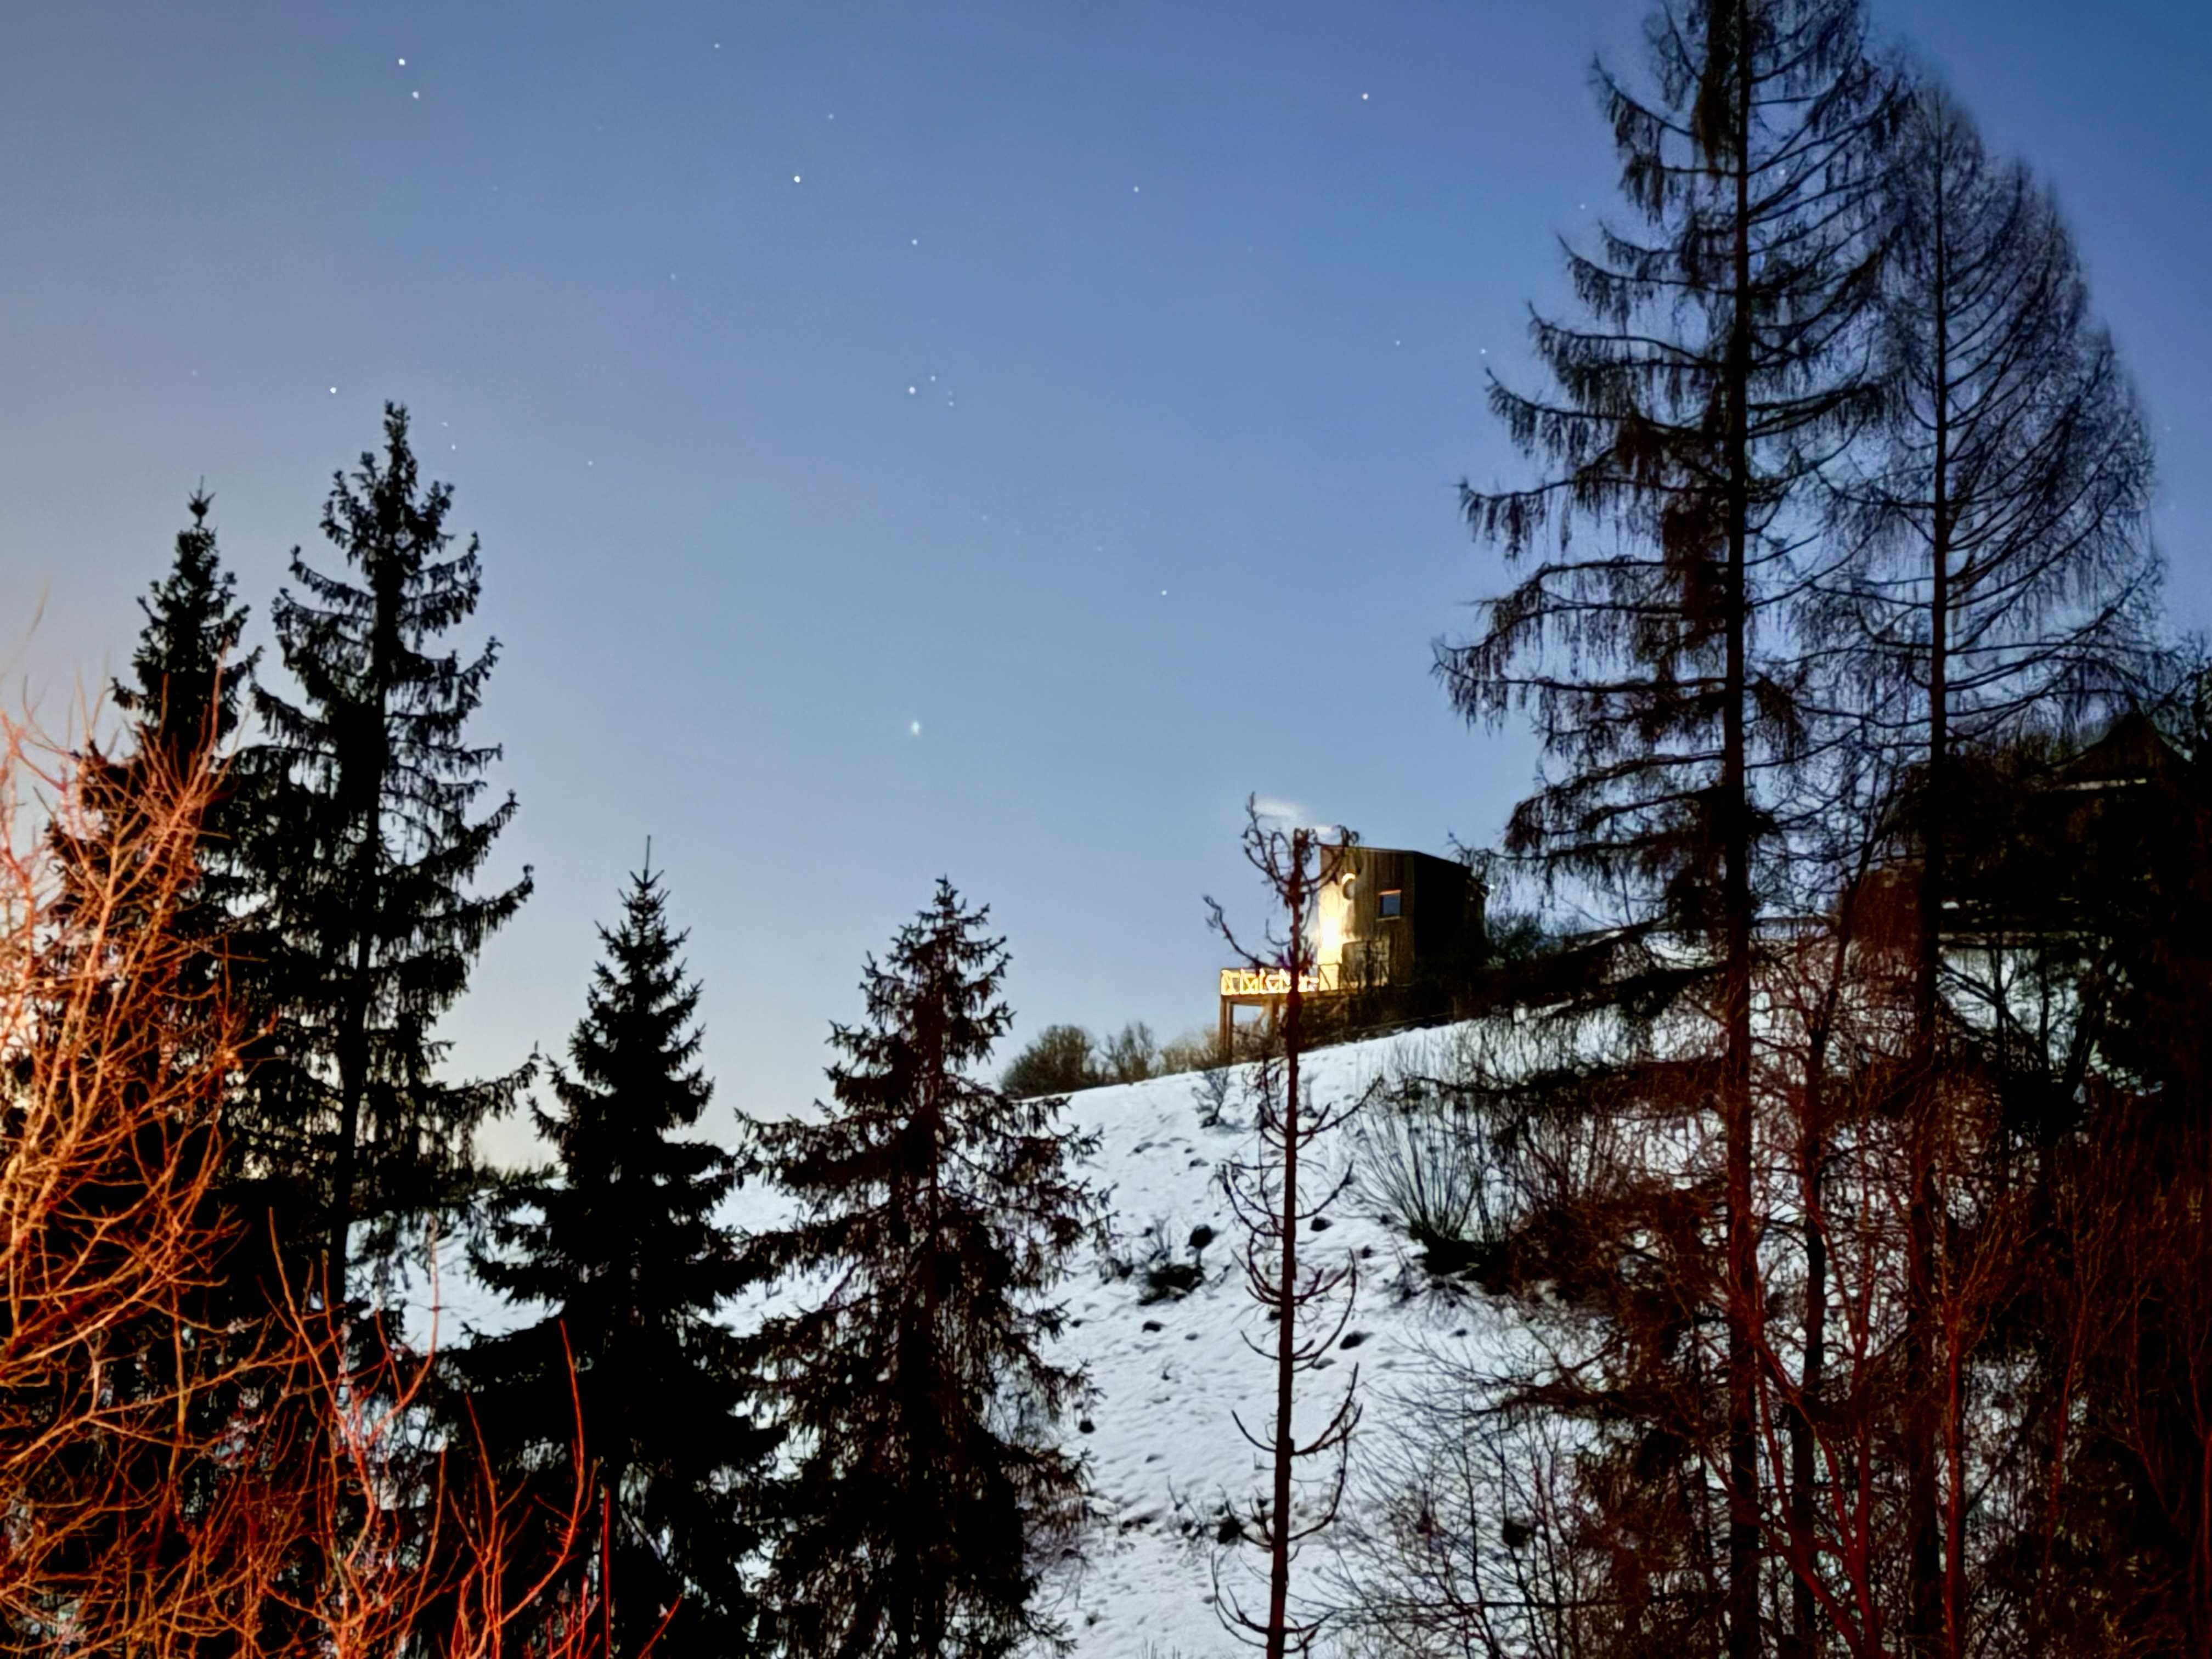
<point>1391,930</point>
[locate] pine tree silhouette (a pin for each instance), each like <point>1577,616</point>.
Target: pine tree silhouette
<point>621,1242</point>
<point>934,1216</point>
<point>362,852</point>
<point>182,699</point>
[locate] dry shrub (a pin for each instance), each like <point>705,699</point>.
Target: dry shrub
<point>173,1482</point>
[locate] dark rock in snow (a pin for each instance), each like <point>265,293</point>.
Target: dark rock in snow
<point>1164,1281</point>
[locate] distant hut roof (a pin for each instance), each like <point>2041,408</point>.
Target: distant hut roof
<point>2132,752</point>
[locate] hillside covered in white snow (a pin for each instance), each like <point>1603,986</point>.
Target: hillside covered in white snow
<point>1167,1459</point>
<point>1166,1454</point>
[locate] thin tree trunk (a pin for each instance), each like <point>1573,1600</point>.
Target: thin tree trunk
<point>1279,1563</point>
<point>1811,1158</point>
<point>1930,1631</point>
<point>1743,1633</point>
<point>361,895</point>
<point>353,1052</point>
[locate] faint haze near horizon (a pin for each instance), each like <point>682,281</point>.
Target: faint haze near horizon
<point>985,439</point>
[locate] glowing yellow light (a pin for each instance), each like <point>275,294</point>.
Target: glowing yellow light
<point>1275,982</point>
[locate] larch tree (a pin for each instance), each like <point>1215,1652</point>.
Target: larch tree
<point>364,847</point>
<point>2001,579</point>
<point>934,1215</point>
<point>621,1246</point>
<point>1719,367</point>
<point>2002,576</point>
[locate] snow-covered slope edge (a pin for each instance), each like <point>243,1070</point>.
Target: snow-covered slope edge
<point>1166,1450</point>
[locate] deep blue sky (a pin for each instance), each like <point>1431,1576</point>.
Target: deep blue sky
<point>1195,301</point>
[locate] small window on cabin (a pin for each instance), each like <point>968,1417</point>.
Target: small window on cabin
<point>1390,902</point>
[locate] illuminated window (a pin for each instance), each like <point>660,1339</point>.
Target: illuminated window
<point>1390,902</point>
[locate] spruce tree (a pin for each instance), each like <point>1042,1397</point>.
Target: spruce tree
<point>181,697</point>
<point>363,848</point>
<point>621,1244</point>
<point>934,1215</point>
<point>186,672</point>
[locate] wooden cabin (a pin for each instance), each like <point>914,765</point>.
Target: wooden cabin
<point>1390,924</point>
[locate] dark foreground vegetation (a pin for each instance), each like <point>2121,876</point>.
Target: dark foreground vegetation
<point>1833,1164</point>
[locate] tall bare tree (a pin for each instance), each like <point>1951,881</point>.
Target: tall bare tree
<point>1998,574</point>
<point>1719,367</point>
<point>1308,1305</point>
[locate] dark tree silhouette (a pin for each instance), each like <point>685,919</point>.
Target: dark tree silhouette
<point>1720,368</point>
<point>181,699</point>
<point>363,851</point>
<point>934,1215</point>
<point>1059,1060</point>
<point>2001,578</point>
<point>621,1245</point>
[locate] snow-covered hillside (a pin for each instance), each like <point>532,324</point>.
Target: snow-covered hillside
<point>1165,1452</point>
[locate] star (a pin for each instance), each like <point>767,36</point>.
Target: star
<point>414,95</point>
<point>1136,190</point>
<point>334,391</point>
<point>914,241</point>
<point>1363,97</point>
<point>403,63</point>
<point>909,392</point>
<point>913,728</point>
<point>794,177</point>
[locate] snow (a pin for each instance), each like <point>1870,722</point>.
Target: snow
<point>1164,1452</point>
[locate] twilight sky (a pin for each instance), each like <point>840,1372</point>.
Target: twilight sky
<point>989,439</point>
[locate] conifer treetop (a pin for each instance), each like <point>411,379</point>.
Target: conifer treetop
<point>184,671</point>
